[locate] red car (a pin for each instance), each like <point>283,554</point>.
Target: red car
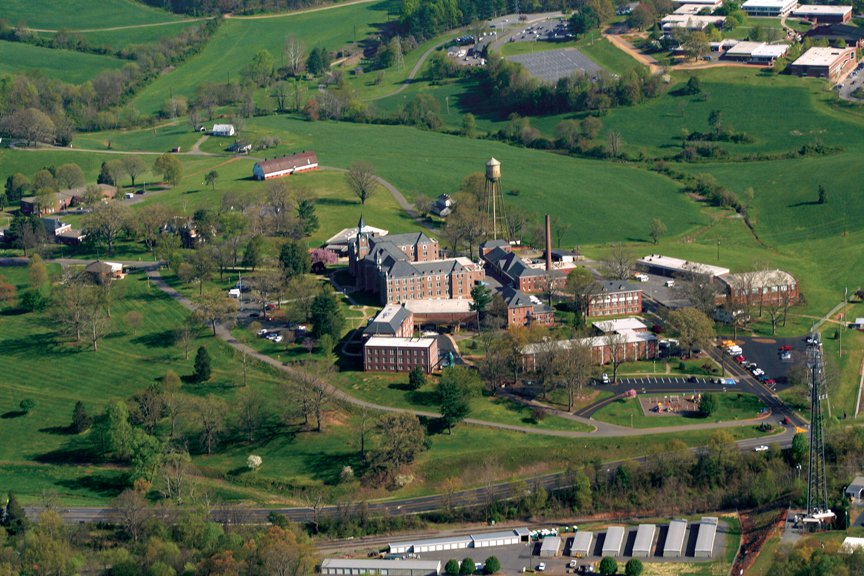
<point>785,348</point>
<point>740,359</point>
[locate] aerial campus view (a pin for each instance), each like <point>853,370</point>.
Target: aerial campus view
<point>431,287</point>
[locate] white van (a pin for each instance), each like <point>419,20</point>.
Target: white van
<point>669,283</point>
<point>234,293</point>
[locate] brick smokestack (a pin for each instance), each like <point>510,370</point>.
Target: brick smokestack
<point>548,244</point>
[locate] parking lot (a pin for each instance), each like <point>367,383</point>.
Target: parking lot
<point>765,352</point>
<point>552,65</point>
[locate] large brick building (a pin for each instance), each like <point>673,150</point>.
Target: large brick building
<point>393,320</point>
<point>615,298</point>
<point>511,270</point>
<point>383,354</point>
<point>403,267</point>
<point>759,288</point>
<point>831,63</point>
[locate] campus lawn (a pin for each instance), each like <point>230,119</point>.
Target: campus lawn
<point>529,47</point>
<point>731,406</point>
<point>608,56</point>
<point>66,65</point>
<point>160,138</point>
<point>238,39</point>
<point>39,364</point>
<point>81,14</point>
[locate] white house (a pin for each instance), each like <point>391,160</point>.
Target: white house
<point>223,130</point>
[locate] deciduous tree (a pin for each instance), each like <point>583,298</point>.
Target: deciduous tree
<point>362,180</point>
<point>134,166</point>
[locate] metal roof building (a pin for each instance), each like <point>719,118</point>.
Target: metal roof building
<point>674,547</point>
<point>355,567</point>
<point>856,488</point>
<point>644,541</point>
<point>614,540</point>
<point>550,547</point>
<point>487,540</point>
<point>581,546</point>
<point>706,537</point>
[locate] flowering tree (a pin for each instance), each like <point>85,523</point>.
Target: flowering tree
<point>254,462</point>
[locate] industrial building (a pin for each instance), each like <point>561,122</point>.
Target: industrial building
<point>831,63</point>
<point>356,567</point>
<point>668,266</point>
<point>644,540</point>
<point>705,538</point>
<point>824,14</point>
<point>503,538</point>
<point>581,546</point>
<point>674,547</point>
<point>550,547</point>
<point>614,540</point>
<point>769,7</point>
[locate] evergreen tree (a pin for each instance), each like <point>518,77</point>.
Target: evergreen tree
<point>326,316</point>
<point>306,213</point>
<point>416,378</point>
<point>202,365</point>
<point>15,520</point>
<point>294,259</point>
<point>81,420</point>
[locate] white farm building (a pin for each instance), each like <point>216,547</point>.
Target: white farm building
<point>223,130</point>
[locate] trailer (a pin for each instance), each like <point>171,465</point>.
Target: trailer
<point>644,540</point>
<point>581,547</point>
<point>674,547</point>
<point>705,539</point>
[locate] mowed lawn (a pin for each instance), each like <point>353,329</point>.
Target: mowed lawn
<point>602,201</point>
<point>129,36</point>
<point>38,363</point>
<point>731,406</point>
<point>66,65</point>
<point>80,14</point>
<point>237,40</point>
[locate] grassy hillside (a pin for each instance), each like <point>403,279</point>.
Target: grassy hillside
<point>80,14</point>
<point>237,40</point>
<point>66,65</point>
<point>128,36</point>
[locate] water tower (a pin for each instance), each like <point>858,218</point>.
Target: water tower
<point>495,216</point>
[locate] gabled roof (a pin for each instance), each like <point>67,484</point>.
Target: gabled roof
<point>410,239</point>
<point>616,286</point>
<point>288,162</point>
<point>388,321</point>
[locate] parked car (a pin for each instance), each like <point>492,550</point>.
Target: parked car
<point>605,378</point>
<point>785,348</point>
<point>786,356</point>
<point>541,567</point>
<point>278,339</point>
<point>813,339</point>
<point>262,332</point>
<point>740,359</point>
<point>761,448</point>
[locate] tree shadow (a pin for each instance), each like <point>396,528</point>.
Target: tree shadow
<point>12,414</point>
<point>336,202</point>
<point>105,484</point>
<point>163,339</point>
<point>803,203</point>
<point>58,430</point>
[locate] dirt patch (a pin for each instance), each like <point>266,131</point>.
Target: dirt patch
<point>757,526</point>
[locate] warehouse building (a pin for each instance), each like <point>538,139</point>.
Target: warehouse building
<point>668,266</point>
<point>674,547</point>
<point>356,567</point>
<point>285,166</point>
<point>503,538</point>
<point>644,541</point>
<point>706,537</point>
<point>581,546</point>
<point>550,547</point>
<point>614,540</point>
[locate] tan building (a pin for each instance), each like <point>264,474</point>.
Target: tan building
<point>383,354</point>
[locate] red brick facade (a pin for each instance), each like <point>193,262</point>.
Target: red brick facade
<point>400,354</point>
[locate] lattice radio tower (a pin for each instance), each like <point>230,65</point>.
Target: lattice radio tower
<point>495,217</point>
<point>817,490</point>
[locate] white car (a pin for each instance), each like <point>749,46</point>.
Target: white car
<point>263,332</point>
<point>762,448</point>
<point>541,567</point>
<point>277,339</point>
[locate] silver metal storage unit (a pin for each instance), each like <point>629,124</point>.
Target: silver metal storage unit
<point>614,540</point>
<point>581,547</point>
<point>674,547</point>
<point>644,540</point>
<point>356,567</point>
<point>550,547</point>
<point>706,537</point>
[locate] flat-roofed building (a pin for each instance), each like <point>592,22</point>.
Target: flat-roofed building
<point>614,540</point>
<point>755,52</point>
<point>674,547</point>
<point>550,547</point>
<point>769,7</point>
<point>441,311</point>
<point>482,540</point>
<point>831,63</point>
<point>669,266</point>
<point>392,320</point>
<point>644,540</point>
<point>581,546</point>
<point>626,345</point>
<point>356,567</point>
<point>386,354</point>
<point>713,4</point>
<point>690,22</point>
<point>615,298</point>
<point>618,325</point>
<point>503,538</point>
<point>691,9</point>
<point>824,14</point>
<point>705,538</point>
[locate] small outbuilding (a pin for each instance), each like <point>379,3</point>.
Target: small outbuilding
<point>550,547</point>
<point>614,540</point>
<point>356,567</point>
<point>855,490</point>
<point>705,538</point>
<point>581,546</point>
<point>508,538</point>
<point>674,547</point>
<point>644,541</point>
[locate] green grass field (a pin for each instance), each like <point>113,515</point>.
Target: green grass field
<point>515,48</point>
<point>66,65</point>
<point>128,36</point>
<point>731,406</point>
<point>81,14</point>
<point>237,40</point>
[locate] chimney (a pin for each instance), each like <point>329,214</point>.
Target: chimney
<point>548,244</point>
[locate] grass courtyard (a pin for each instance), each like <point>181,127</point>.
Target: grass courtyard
<point>731,406</point>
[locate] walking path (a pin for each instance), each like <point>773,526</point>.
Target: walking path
<point>625,46</point>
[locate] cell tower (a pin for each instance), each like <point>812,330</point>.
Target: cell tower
<point>817,490</point>
<point>495,216</point>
